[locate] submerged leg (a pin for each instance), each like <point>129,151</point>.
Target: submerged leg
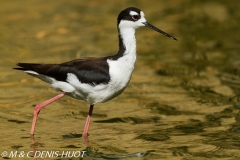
<point>40,106</point>
<point>85,132</point>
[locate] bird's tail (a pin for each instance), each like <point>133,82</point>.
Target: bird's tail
<point>26,66</point>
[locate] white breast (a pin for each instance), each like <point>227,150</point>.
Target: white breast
<point>120,72</point>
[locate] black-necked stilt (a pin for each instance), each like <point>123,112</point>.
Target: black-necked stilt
<point>94,79</point>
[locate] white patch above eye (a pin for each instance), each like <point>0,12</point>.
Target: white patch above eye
<point>132,13</point>
<point>142,14</point>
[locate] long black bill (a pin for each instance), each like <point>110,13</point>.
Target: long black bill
<point>158,30</point>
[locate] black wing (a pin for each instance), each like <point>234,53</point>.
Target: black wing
<point>88,70</point>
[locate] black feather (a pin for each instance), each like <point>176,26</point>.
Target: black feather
<point>88,70</point>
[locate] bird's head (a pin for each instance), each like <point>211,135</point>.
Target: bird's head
<point>134,18</point>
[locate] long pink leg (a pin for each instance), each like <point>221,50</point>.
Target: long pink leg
<point>85,132</point>
<point>39,107</point>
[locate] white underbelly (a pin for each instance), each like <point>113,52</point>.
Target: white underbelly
<point>120,77</point>
<point>90,93</point>
<point>99,93</point>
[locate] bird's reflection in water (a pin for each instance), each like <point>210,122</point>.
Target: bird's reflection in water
<point>88,152</point>
<point>84,137</point>
<point>34,146</point>
<point>101,156</point>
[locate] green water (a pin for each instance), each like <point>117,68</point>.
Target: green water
<point>182,102</point>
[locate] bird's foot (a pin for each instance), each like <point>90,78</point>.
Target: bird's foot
<point>85,139</point>
<point>34,143</point>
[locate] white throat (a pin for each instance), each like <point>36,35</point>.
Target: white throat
<point>121,69</point>
<point>127,33</point>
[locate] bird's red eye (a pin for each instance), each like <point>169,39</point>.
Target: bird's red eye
<point>135,17</point>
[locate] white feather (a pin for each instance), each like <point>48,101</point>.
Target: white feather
<point>31,72</point>
<point>63,86</point>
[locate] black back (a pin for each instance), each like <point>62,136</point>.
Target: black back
<point>88,70</point>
